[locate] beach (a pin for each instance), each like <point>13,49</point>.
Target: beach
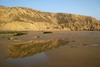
<point>80,49</point>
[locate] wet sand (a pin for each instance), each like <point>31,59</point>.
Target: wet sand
<point>82,51</point>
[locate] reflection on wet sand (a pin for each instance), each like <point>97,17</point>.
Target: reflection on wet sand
<point>34,47</point>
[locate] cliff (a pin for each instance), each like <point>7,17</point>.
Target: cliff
<point>27,19</point>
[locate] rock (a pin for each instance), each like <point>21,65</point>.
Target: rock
<point>36,37</point>
<point>85,44</point>
<point>11,38</point>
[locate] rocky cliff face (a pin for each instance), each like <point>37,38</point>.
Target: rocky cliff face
<point>27,19</point>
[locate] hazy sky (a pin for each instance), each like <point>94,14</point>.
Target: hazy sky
<point>83,7</point>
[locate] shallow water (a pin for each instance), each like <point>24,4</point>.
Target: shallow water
<point>38,58</point>
<point>82,51</point>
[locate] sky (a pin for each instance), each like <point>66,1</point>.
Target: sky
<point>81,7</point>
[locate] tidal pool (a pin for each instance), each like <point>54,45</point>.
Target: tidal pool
<point>38,58</point>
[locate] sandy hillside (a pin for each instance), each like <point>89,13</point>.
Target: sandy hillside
<point>27,19</point>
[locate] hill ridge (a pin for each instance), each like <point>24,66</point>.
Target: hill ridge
<point>27,19</point>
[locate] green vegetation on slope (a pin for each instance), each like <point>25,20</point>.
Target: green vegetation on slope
<point>20,33</point>
<point>47,32</point>
<point>16,33</point>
